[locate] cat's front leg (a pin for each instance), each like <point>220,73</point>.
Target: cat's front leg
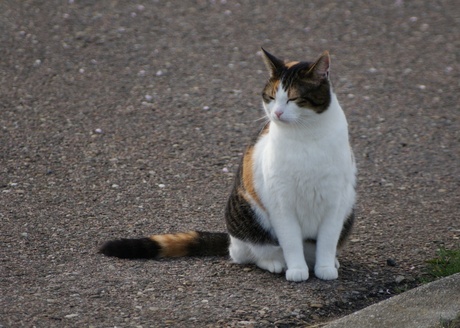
<point>290,238</point>
<point>326,248</point>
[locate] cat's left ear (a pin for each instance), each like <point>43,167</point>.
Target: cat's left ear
<point>274,65</point>
<point>320,69</point>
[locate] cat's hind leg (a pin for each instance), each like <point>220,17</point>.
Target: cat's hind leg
<point>240,251</point>
<point>269,257</point>
<point>309,250</point>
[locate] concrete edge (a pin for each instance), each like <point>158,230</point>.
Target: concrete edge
<point>422,307</point>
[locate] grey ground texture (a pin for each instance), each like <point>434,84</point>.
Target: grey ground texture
<point>127,118</point>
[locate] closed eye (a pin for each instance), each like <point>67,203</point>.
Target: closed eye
<point>292,99</point>
<point>267,98</point>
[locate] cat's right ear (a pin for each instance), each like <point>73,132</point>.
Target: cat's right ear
<point>274,65</point>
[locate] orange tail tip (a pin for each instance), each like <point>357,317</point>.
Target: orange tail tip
<point>193,243</point>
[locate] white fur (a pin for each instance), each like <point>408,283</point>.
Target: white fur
<point>304,174</point>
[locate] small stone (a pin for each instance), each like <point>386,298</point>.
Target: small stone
<point>148,97</point>
<point>316,305</point>
<point>391,262</point>
<point>161,185</point>
<point>99,131</point>
<point>225,170</point>
<point>400,279</point>
<point>205,107</point>
<point>70,316</point>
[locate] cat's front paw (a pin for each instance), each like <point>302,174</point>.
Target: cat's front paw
<point>326,272</point>
<point>297,274</point>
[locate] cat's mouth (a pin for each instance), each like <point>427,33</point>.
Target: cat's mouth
<point>282,119</point>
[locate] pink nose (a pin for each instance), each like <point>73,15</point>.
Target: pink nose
<point>278,113</point>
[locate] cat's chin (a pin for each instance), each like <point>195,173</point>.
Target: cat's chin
<point>283,121</point>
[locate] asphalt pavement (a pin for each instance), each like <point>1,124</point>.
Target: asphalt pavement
<point>128,118</point>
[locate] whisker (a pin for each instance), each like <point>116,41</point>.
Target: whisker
<point>263,118</point>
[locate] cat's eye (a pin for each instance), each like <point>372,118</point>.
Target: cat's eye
<point>267,98</point>
<point>292,99</point>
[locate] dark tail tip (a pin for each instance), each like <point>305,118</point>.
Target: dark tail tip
<point>141,248</point>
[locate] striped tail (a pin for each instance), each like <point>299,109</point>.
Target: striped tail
<point>192,243</point>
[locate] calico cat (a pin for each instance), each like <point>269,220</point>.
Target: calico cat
<point>291,206</point>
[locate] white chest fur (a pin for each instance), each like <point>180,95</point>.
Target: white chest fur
<point>306,171</point>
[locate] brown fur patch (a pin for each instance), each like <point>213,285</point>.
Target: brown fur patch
<point>248,176</point>
<point>290,64</point>
<point>274,87</point>
<point>270,89</point>
<point>175,245</point>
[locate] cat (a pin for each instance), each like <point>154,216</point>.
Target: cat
<point>292,204</point>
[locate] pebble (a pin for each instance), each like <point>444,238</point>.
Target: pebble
<point>99,131</point>
<point>73,315</point>
<point>161,185</point>
<point>391,262</point>
<point>316,305</point>
<point>400,279</point>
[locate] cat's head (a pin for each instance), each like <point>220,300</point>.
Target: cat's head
<point>296,90</point>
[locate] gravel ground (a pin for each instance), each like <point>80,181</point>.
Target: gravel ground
<point>122,118</point>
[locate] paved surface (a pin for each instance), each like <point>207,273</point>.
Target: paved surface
<point>423,307</point>
<point>125,118</point>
